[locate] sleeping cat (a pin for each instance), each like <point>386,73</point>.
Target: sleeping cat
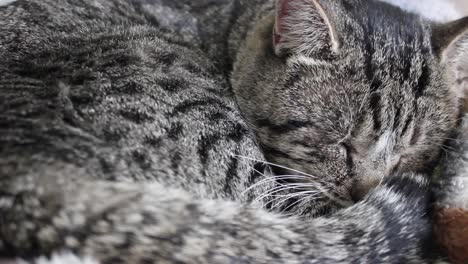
<point>345,93</point>
<point>121,142</point>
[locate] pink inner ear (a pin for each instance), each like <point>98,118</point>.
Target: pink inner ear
<point>282,10</point>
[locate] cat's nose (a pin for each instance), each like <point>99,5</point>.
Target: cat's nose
<point>362,186</point>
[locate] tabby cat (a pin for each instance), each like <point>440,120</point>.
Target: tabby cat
<point>343,92</point>
<point>121,142</point>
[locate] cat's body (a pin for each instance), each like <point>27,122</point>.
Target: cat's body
<point>121,141</point>
<point>108,96</point>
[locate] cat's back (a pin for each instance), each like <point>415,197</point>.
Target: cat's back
<point>99,86</point>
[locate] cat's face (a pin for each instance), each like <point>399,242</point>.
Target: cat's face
<point>346,94</point>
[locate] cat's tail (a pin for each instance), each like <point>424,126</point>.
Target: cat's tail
<point>43,212</point>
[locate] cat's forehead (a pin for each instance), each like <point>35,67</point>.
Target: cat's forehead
<point>384,53</point>
<point>378,40</point>
<point>382,27</point>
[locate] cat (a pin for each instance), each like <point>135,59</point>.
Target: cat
<point>122,142</point>
<point>346,94</point>
<point>103,91</point>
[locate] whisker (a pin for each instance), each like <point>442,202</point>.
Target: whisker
<point>276,165</point>
<point>253,167</point>
<point>273,191</point>
<point>277,205</point>
<point>297,202</point>
<point>269,179</point>
<point>319,186</point>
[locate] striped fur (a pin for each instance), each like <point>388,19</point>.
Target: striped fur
<point>390,226</point>
<point>358,98</point>
<point>122,144</point>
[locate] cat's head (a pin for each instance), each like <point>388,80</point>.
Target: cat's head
<point>349,92</point>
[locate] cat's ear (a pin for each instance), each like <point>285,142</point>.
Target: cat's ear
<point>303,26</point>
<point>450,42</point>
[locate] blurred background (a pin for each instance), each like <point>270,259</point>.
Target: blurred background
<point>438,10</point>
<point>463,4</point>
<point>441,10</point>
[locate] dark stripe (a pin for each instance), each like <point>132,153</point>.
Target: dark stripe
<point>216,116</point>
<point>259,168</point>
<point>423,81</point>
<point>353,235</point>
<point>172,84</point>
<point>349,160</point>
<point>407,124</point>
<point>272,151</point>
<point>153,141</point>
<point>176,131</point>
<point>290,126</point>
<point>406,187</point>
<point>292,79</point>
<point>188,106</point>
<point>319,210</point>
<point>268,150</point>
<point>369,69</point>
<point>166,58</point>
<point>205,145</point>
<point>396,119</point>
<point>136,115</point>
<point>302,143</point>
<point>194,69</point>
<point>316,154</point>
<point>375,107</point>
<point>231,174</point>
<point>429,248</point>
<point>238,133</point>
<point>406,68</point>
<point>375,84</point>
<point>233,17</point>
<point>142,158</point>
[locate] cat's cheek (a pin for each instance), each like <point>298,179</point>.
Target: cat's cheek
<point>451,228</point>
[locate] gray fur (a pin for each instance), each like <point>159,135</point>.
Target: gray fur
<point>350,104</point>
<point>121,143</point>
<point>452,189</point>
